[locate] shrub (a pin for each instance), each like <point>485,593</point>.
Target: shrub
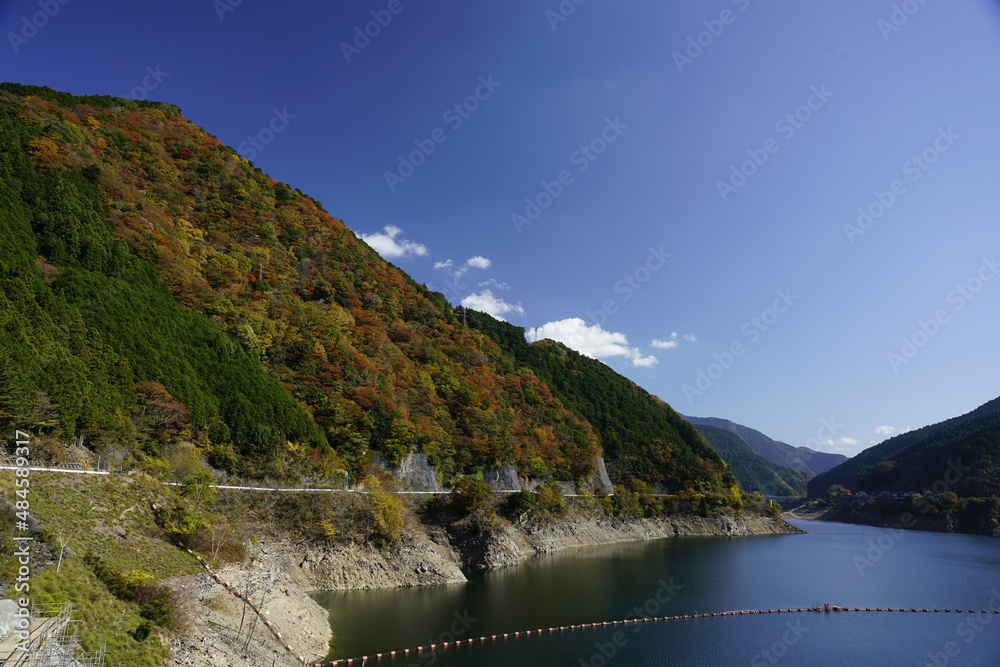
<point>551,500</point>
<point>518,504</point>
<point>470,495</point>
<point>626,503</point>
<point>387,518</point>
<point>155,601</point>
<point>198,485</point>
<point>180,523</point>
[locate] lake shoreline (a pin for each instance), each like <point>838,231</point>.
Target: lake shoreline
<point>284,572</point>
<point>914,520</point>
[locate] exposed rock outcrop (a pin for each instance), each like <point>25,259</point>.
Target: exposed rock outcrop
<point>279,574</point>
<point>504,546</point>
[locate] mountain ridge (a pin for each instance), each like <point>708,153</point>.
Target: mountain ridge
<point>914,460</point>
<point>754,472</point>
<point>803,459</point>
<point>177,293</point>
<point>635,427</point>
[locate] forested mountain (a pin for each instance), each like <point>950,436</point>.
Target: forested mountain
<point>643,437</point>
<point>754,472</point>
<point>804,459</point>
<point>156,287</point>
<point>962,453</point>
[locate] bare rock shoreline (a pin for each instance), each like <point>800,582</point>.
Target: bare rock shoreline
<point>279,575</point>
<point>915,520</point>
<point>507,547</point>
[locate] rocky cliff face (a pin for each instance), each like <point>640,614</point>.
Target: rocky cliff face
<point>422,559</point>
<point>280,574</point>
<point>505,546</point>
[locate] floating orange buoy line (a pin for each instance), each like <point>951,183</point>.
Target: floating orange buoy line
<point>827,608</point>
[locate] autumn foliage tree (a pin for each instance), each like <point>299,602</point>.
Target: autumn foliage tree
<point>184,290</point>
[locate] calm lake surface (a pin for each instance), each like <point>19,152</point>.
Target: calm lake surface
<point>702,574</point>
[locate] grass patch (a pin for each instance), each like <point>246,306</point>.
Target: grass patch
<point>111,517</point>
<point>107,621</point>
<point>119,551</point>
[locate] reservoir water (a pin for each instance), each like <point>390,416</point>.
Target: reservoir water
<point>688,575</point>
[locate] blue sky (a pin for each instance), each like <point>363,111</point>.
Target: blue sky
<point>672,187</point>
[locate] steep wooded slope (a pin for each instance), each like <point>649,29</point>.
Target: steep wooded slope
<point>804,459</point>
<point>754,472</point>
<point>963,451</point>
<point>156,285</point>
<point>644,438</point>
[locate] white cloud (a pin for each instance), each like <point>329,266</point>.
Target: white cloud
<point>456,272</point>
<point>593,341</point>
<point>485,301</point>
<point>671,342</point>
<point>493,282</point>
<point>386,244</point>
<point>845,445</point>
<point>885,430</point>
<point>645,361</point>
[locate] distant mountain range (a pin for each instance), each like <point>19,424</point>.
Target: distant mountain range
<point>754,472</point>
<point>961,454</point>
<point>803,459</point>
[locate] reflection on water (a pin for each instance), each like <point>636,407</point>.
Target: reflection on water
<point>689,575</point>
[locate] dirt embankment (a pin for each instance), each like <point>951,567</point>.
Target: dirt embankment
<point>279,575</point>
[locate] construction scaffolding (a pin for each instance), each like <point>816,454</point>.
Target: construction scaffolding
<point>51,641</point>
